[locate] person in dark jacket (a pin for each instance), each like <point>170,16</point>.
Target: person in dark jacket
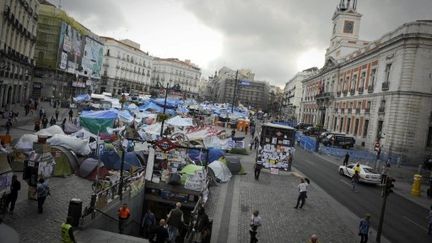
<point>53,121</point>
<point>201,227</point>
<point>161,232</point>
<point>149,221</point>
<point>346,159</point>
<point>44,122</point>
<point>8,126</point>
<point>13,196</point>
<point>42,191</point>
<point>175,221</point>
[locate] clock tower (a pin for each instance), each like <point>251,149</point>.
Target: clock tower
<point>346,27</point>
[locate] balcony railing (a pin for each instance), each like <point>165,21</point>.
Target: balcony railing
<point>360,90</point>
<point>385,86</point>
<point>381,109</point>
<point>370,89</point>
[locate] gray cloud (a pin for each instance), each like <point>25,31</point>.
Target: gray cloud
<point>99,15</point>
<point>268,36</point>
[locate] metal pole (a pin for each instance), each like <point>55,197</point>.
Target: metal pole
<point>234,94</point>
<point>120,191</point>
<point>381,220</point>
<point>164,108</point>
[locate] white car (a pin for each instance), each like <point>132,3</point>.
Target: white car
<point>367,173</point>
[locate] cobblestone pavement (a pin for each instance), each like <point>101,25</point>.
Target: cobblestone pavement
<point>275,196</point>
<point>45,228</point>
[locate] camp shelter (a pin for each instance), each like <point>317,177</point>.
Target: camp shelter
<point>112,160</point>
<point>98,121</point>
<point>180,121</point>
<point>70,128</point>
<point>88,169</point>
<point>66,161</point>
<point>220,170</point>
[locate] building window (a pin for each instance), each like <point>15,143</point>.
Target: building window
<point>372,77</point>
<point>341,124</point>
<point>108,52</point>
<point>429,138</point>
<point>356,127</point>
<point>365,128</point>
<point>387,72</point>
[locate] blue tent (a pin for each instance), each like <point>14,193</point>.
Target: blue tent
<point>112,160</point>
<point>151,106</point>
<point>81,98</point>
<point>215,154</point>
<point>170,102</point>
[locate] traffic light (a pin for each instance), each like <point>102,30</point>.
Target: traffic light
<point>389,185</point>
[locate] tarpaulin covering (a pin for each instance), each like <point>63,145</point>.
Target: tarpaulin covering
<point>215,154</point>
<point>150,106</point>
<point>180,122</point>
<point>170,103</point>
<point>220,170</point>
<point>197,155</point>
<point>125,116</point>
<point>112,160</point>
<point>81,98</point>
<point>98,121</point>
<point>79,146</point>
<point>50,131</point>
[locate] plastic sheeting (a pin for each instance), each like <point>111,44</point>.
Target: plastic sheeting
<point>125,116</point>
<point>170,103</point>
<point>216,142</point>
<point>50,131</point>
<point>98,121</point>
<point>25,142</point>
<point>221,171</point>
<point>79,146</point>
<point>81,98</point>
<point>83,133</point>
<point>105,114</point>
<point>215,154</point>
<point>180,122</point>
<point>112,160</point>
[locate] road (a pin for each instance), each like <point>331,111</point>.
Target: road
<point>404,220</point>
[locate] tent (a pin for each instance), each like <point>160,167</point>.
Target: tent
<point>81,98</point>
<point>88,169</point>
<point>220,170</point>
<point>70,128</point>
<point>215,154</point>
<point>98,121</point>
<point>50,131</point>
<point>125,116</point>
<point>150,106</point>
<point>25,142</point>
<point>180,121</point>
<point>77,145</point>
<point>189,170</point>
<point>170,102</point>
<point>66,161</point>
<point>112,160</point>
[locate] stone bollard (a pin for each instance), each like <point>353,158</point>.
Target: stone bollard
<point>416,186</point>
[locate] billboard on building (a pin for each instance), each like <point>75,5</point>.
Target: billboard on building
<point>70,48</point>
<point>92,58</point>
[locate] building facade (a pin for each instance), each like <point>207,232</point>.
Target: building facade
<point>292,94</point>
<point>68,56</point>
<point>172,71</point>
<point>382,92</point>
<point>126,68</point>
<point>239,87</point>
<point>18,27</point>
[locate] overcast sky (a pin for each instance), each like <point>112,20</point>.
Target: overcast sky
<point>273,38</point>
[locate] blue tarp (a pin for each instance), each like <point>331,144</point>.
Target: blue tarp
<point>82,98</point>
<point>170,103</point>
<point>151,106</point>
<point>104,114</point>
<point>125,116</point>
<point>112,160</point>
<point>215,154</point>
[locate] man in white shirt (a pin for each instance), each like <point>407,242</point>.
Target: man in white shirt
<point>302,187</point>
<point>254,224</point>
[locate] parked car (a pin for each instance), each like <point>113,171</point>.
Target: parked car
<point>313,131</point>
<point>339,140</point>
<point>323,135</point>
<point>302,125</point>
<point>367,174</point>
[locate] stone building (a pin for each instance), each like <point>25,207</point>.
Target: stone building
<point>292,94</point>
<point>173,71</point>
<point>381,92</point>
<point>68,55</point>
<point>230,86</point>
<point>126,68</point>
<point>18,26</point>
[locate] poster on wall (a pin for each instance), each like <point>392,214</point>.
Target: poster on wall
<point>70,48</point>
<point>92,58</point>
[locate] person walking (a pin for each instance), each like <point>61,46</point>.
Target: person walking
<point>37,125</point>
<point>123,216</point>
<point>8,126</point>
<point>429,218</point>
<point>364,228</point>
<point>384,172</point>
<point>161,232</point>
<point>70,114</point>
<point>355,180</point>
<point>13,196</point>
<point>346,159</point>
<point>53,121</point>
<point>302,187</point>
<point>175,221</point>
<point>313,239</point>
<point>44,122</point>
<point>254,224</point>
<point>257,170</point>
<point>201,227</point>
<point>42,191</point>
<point>357,168</point>
<point>67,231</point>
<point>290,160</point>
<point>149,221</point>
<point>256,143</point>
<point>41,113</point>
<point>63,125</point>
<point>57,112</point>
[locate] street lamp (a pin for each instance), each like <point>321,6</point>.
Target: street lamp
<point>167,88</point>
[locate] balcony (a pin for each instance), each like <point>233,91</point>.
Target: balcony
<point>357,111</point>
<point>342,110</point>
<point>349,110</point>
<point>360,90</point>
<point>345,92</point>
<point>370,89</point>
<point>385,86</point>
<point>381,110</point>
<point>367,110</point>
<point>352,91</point>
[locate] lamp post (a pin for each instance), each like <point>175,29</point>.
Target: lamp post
<point>167,88</point>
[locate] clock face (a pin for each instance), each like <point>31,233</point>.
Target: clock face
<point>349,27</point>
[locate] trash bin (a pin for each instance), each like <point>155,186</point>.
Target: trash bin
<point>74,211</point>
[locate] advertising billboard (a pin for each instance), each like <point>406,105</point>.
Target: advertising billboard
<point>79,54</point>
<point>70,48</point>
<point>92,58</point>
